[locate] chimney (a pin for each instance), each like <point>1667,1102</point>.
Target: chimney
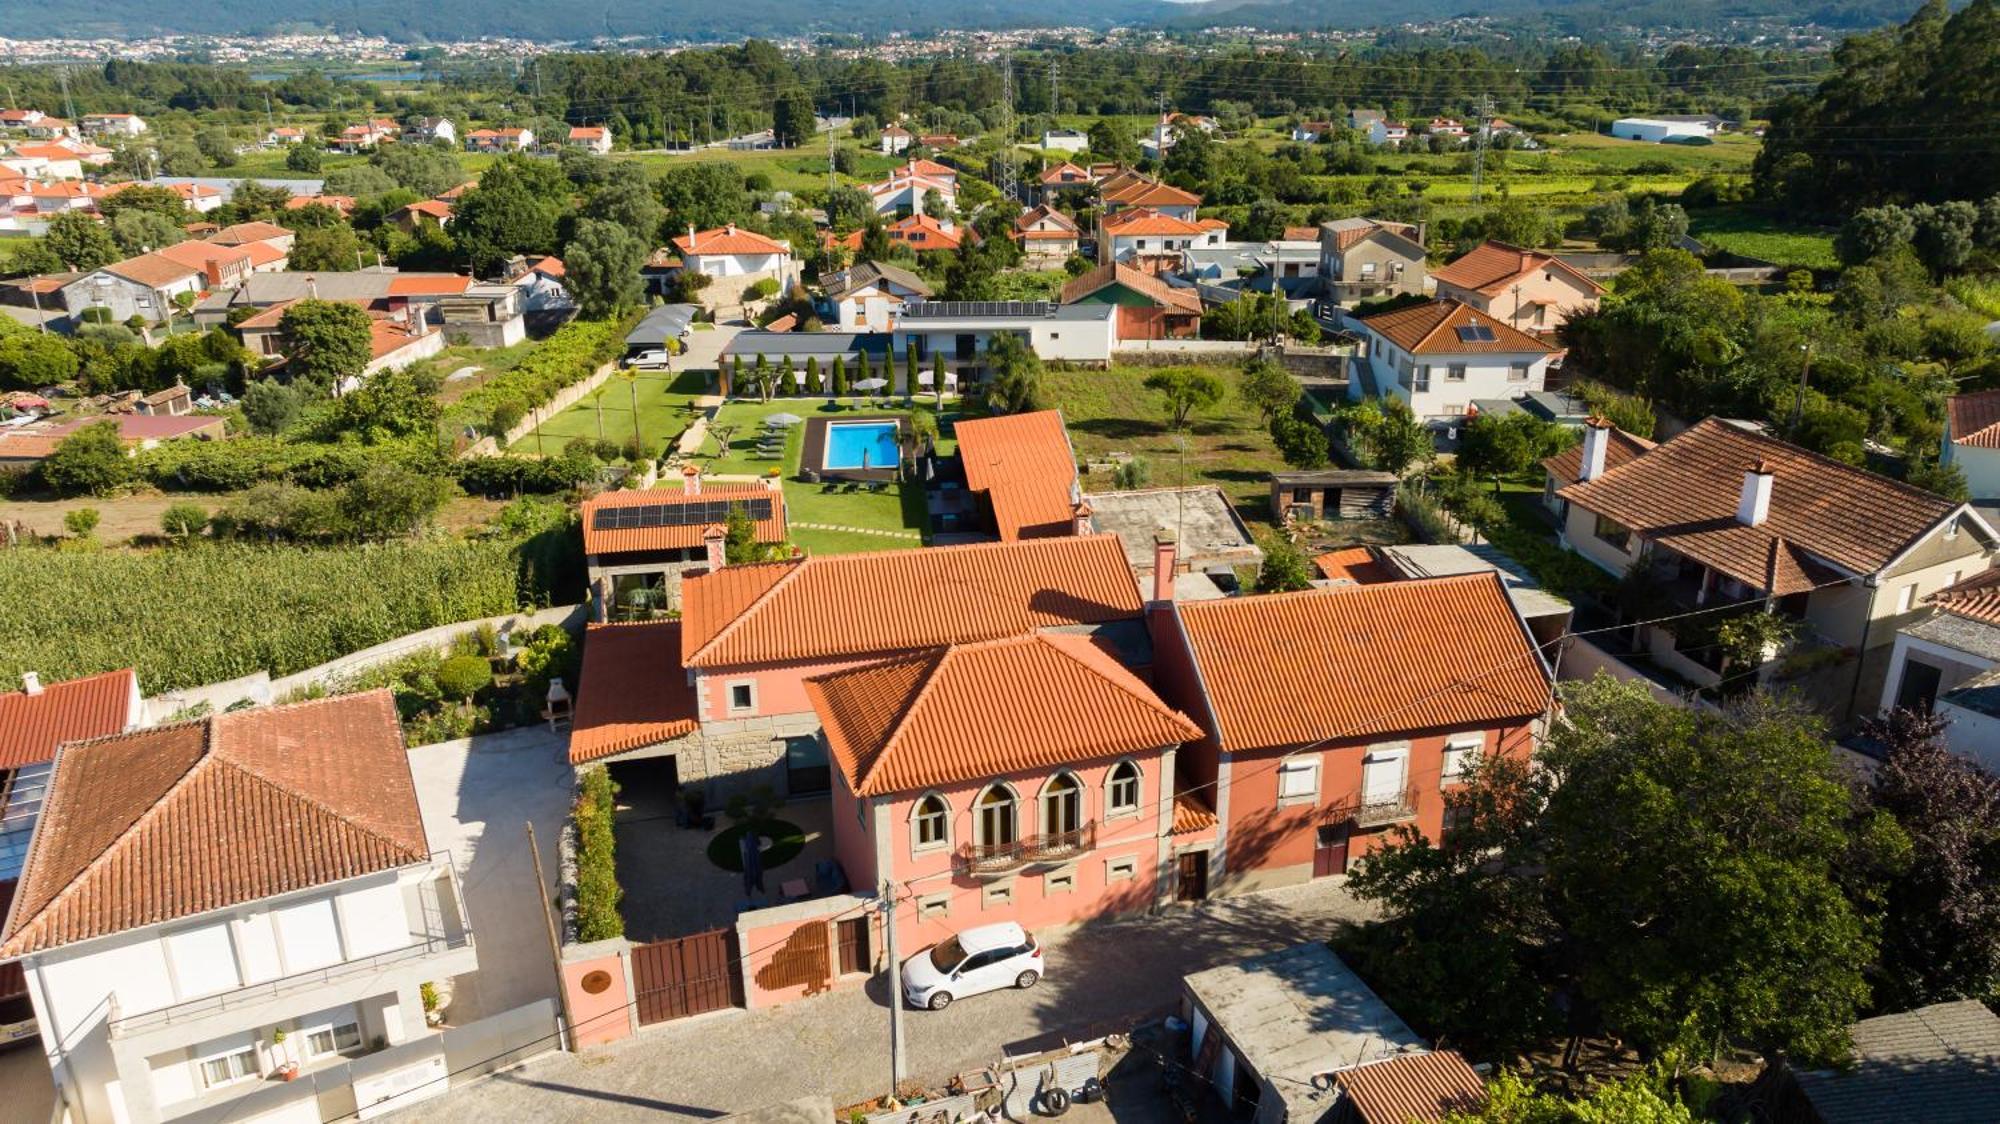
<point>1596,440</point>
<point>31,683</point>
<point>1080,519</point>
<point>730,229</point>
<point>691,480</point>
<point>1755,505</point>
<point>312,286</point>
<point>713,539</point>
<point>690,238</point>
<point>1163,564</point>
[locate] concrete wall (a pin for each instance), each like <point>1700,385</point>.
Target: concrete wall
<point>1981,468</point>
<point>605,1015</point>
<point>1560,293</point>
<point>792,951</point>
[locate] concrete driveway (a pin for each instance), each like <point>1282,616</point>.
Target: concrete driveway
<point>476,795</point>
<point>1102,977</point>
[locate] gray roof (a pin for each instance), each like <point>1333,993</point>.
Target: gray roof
<point>1962,633</point>
<point>664,323</point>
<point>1938,1065</point>
<point>265,289</point>
<point>977,315</point>
<point>227,184</point>
<point>1340,477</point>
<point>867,273</point>
<point>1554,405</point>
<point>1298,1013</point>
<point>1209,529</point>
<point>803,345</point>
<point>1445,559</point>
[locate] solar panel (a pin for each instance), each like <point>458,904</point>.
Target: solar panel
<point>699,513</point>
<point>1475,333</point>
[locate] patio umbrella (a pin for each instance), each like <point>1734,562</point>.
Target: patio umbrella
<point>871,384</point>
<point>779,421</point>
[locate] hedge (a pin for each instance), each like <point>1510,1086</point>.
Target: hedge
<point>597,890</point>
<point>206,612</point>
<point>235,464</point>
<point>569,356</point>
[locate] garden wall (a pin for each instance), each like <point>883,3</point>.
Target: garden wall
<point>792,952</point>
<point>563,400</point>
<point>259,688</point>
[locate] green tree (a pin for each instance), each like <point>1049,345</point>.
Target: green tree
<point>215,145</point>
<point>1930,474</point>
<point>269,406</point>
<point>388,501</point>
<point>184,521</point>
<point>32,360</point>
<point>837,383</point>
<point>626,198</point>
<point>141,232</point>
<point>510,212</point>
<point>1014,379</point>
<point>1186,390</point>
<point>1301,442</point>
<point>813,384</point>
<point>327,249</point>
<point>325,342</point>
<point>1942,235</point>
<point>1269,389</point>
<point>602,264</point>
<point>1488,446</point>
<point>460,678</point>
<point>1112,141</point>
<point>90,461</point>
<point>81,521</point>
<point>1642,1098</point>
<point>1871,232</point>
<point>792,121</point>
<point>428,171</point>
<point>305,158</point>
<point>704,195</point>
<point>81,242</point>
<point>1286,567</point>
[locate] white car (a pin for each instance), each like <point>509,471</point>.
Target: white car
<point>987,958</point>
<point>649,361</point>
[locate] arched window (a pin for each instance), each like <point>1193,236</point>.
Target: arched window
<point>996,817</point>
<point>1062,804</point>
<point>930,823</point>
<point>1121,789</point>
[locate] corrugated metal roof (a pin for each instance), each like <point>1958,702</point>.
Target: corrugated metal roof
<point>1412,1087</point>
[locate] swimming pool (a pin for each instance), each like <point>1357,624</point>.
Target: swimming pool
<point>847,443</point>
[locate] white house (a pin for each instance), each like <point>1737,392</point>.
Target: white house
<point>209,906</point>
<point>1134,235</point>
<point>427,130</point>
<point>1441,356</point>
<point>732,252</point>
<point>906,188</point>
<point>144,286</point>
<point>962,331</point>
<point>541,284</point>
<point>895,139</point>
<point>1949,662</point>
<point>1665,128</point>
<point>1065,140</point>
<point>595,138</point>
<point>499,140</point>
<point>113,124</point>
<point>870,296</point>
<point>284,135</point>
<point>1387,134</point>
<point>43,162</point>
<point>1972,441</point>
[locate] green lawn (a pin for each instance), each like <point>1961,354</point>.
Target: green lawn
<point>1112,411</point>
<point>1758,234</point>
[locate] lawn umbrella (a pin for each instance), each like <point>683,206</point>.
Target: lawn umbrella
<point>871,384</point>
<point>780,421</point>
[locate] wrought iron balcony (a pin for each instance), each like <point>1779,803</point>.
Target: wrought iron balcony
<point>999,858</point>
<point>1378,812</point>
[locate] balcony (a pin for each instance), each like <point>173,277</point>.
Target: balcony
<point>988,859</point>
<point>1381,812</point>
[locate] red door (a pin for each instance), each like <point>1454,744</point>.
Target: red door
<point>1330,850</point>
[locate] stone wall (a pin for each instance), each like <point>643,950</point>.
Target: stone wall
<point>741,754</point>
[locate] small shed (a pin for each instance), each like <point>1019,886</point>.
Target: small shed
<point>1938,1064</point>
<point>667,322</point>
<point>1338,493</point>
<point>1270,1033</point>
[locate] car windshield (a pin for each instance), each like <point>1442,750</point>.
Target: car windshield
<point>946,956</point>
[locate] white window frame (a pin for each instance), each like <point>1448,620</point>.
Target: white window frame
<point>332,1028</point>
<point>1124,868</point>
<point>729,696</point>
<point>1906,598</point>
<point>934,905</point>
<point>917,816</point>
<point>1289,793</point>
<point>1455,372</point>
<point>1453,760</point>
<point>254,1071</point>
<point>1113,809</point>
<point>1518,372</point>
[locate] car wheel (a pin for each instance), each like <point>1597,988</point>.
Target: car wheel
<point>1026,980</point>
<point>940,1001</point>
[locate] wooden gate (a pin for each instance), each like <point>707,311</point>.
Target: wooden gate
<point>686,976</point>
<point>853,944</point>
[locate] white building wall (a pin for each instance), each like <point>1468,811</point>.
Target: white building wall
<point>740,265</point>
<point>1075,341</point>
<point>1981,468</point>
<point>1972,734</point>
<point>1649,129</point>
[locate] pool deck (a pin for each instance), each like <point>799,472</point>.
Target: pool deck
<point>812,454</point>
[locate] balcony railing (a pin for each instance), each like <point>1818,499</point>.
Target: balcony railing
<point>998,858</point>
<point>1386,810</point>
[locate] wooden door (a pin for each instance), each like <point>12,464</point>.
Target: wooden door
<point>1191,881</point>
<point>1330,850</point>
<point>852,938</point>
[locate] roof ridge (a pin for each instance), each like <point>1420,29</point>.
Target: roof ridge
<point>320,805</point>
<point>937,657</point>
<point>1149,699</point>
<point>1821,458</point>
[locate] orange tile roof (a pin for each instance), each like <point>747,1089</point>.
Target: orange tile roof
<point>1142,192</point>
<point>1042,214</point>
<point>1065,173</point>
<point>729,240</point>
<point>1025,466</point>
<point>1622,448</point>
<point>154,270</point>
<point>1144,220</point>
<point>1349,232</point>
<point>142,828</point>
<point>198,255</point>
<point>834,606</point>
<point>684,537</point>
<point>1492,266</point>
<point>341,203</point>
<point>1975,419</point>
<point>1976,598</point>
<point>1356,564</point>
<point>970,711</point>
<point>922,232</point>
<point>1135,280</point>
<point>586,132</point>
<point>32,726</point>
<point>632,691</point>
<point>1431,328</point>
<point>1299,234</point>
<point>386,337</point>
<point>237,234</point>
<point>1191,814</point>
<point>918,166</point>
<point>1412,1087</point>
<point>1684,493</point>
<point>1359,661</point>
<point>435,208</point>
<point>263,253</point>
<point>428,284</point>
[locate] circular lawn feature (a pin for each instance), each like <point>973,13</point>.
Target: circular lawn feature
<point>782,843</point>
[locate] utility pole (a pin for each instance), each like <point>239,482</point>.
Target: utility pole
<point>899,1067</point>
<point>270,119</point>
<point>1055,67</point>
<point>1010,188</point>
<point>1485,113</point>
<point>555,942</point>
<point>1799,402</point>
<point>69,103</point>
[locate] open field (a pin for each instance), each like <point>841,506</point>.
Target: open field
<point>1759,234</point>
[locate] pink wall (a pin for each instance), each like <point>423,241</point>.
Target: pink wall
<point>794,959</point>
<point>780,686</point>
<point>1262,835</point>
<point>853,840</point>
<point>602,1017</point>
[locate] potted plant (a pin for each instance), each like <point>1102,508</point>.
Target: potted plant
<point>288,1069</point>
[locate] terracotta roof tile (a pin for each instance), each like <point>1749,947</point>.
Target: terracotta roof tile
<point>1191,814</point>
<point>979,710</point>
<point>1136,280</point>
<point>1684,494</point>
<point>428,284</point>
<point>1141,192</point>
<point>1976,597</point>
<point>1412,1087</point>
<point>1025,466</point>
<point>632,691</point>
<point>1975,419</point>
<point>1364,660</point>
<point>236,234</point>
<point>1356,564</point>
<point>1492,266</point>
<point>1432,328</point>
<point>1349,232</point>
<point>32,726</point>
<point>729,240</point>
<point>687,536</point>
<point>143,828</point>
<point>1145,220</point>
<point>154,270</point>
<point>1622,449</point>
<point>831,606</point>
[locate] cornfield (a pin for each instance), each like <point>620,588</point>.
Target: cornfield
<point>210,612</point>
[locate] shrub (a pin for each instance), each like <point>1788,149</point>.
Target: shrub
<point>90,461</point>
<point>507,413</point>
<point>81,522</point>
<point>184,520</point>
<point>762,290</point>
<point>462,677</point>
<point>597,890</point>
<point>569,356</point>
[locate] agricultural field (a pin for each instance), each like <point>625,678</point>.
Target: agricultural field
<point>1757,234</point>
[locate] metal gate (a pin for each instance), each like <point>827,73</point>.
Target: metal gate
<point>686,976</point>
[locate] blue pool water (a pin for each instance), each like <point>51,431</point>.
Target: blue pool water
<point>847,441</point>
